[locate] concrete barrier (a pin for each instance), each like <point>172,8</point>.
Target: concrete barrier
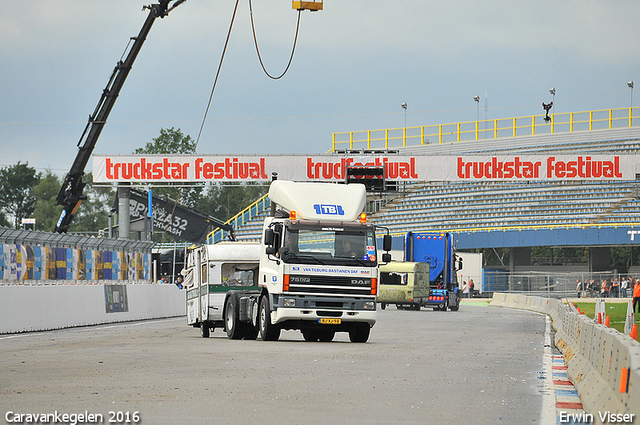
<point>26,308</point>
<point>602,363</point>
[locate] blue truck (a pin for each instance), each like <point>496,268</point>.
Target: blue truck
<point>436,249</point>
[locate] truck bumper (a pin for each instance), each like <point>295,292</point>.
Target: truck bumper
<point>311,309</point>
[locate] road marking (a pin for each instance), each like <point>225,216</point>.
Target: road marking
<point>90,328</point>
<point>548,414</point>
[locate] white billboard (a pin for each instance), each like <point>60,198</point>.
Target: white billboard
<point>215,168</point>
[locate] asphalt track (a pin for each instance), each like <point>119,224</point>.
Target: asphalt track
<point>480,365</point>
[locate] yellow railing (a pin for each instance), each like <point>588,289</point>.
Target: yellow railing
<point>566,122</point>
<point>241,218</point>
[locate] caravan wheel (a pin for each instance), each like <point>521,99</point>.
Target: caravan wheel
<point>204,329</point>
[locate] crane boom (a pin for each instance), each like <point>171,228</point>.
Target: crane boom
<point>70,194</point>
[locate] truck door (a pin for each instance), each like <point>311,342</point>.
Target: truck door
<point>204,286</point>
<point>192,283</point>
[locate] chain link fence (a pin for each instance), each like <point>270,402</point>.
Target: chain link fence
<point>548,285</point>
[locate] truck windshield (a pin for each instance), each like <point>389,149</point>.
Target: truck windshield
<point>315,243</point>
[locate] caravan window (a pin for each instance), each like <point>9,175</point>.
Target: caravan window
<point>234,274</point>
<point>392,278</point>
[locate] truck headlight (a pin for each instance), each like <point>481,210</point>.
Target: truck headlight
<point>289,302</point>
<point>369,305</point>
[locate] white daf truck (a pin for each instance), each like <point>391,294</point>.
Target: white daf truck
<point>317,270</point>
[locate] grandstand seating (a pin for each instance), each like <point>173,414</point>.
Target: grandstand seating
<point>518,204</point>
<point>451,205</point>
<point>491,205</point>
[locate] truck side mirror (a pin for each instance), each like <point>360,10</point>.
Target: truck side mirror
<point>460,264</point>
<point>271,250</point>
<point>386,258</point>
<point>268,237</point>
<point>386,243</point>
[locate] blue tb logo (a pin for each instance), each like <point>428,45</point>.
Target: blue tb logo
<point>324,209</point>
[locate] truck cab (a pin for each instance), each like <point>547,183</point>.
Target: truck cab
<point>321,276</point>
<point>319,266</point>
<point>438,251</point>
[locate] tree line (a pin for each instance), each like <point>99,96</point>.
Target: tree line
<point>26,193</point>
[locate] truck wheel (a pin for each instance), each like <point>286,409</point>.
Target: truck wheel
<point>360,332</point>
<point>454,307</point>
<point>251,332</point>
<point>235,329</point>
<point>267,331</point>
<point>310,335</point>
<point>204,329</point>
<point>326,335</point>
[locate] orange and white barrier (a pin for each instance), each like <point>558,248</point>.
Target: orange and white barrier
<point>602,363</point>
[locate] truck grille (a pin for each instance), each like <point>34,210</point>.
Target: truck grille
<point>331,285</point>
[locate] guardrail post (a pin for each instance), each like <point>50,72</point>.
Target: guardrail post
<point>477,130</point>
<point>495,129</point>
<point>533,125</point>
<point>571,122</point>
<point>440,133</point>
<point>515,126</point>
<point>458,127</point>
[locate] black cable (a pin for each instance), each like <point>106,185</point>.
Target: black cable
<point>215,81</point>
<point>255,41</point>
<point>206,112</point>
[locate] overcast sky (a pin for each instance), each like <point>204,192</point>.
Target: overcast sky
<point>356,62</point>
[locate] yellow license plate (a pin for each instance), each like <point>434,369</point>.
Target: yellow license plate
<point>330,321</point>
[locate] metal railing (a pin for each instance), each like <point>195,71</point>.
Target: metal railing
<point>244,216</point>
<point>401,233</point>
<point>548,285</point>
<point>566,122</point>
<point>44,258</point>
